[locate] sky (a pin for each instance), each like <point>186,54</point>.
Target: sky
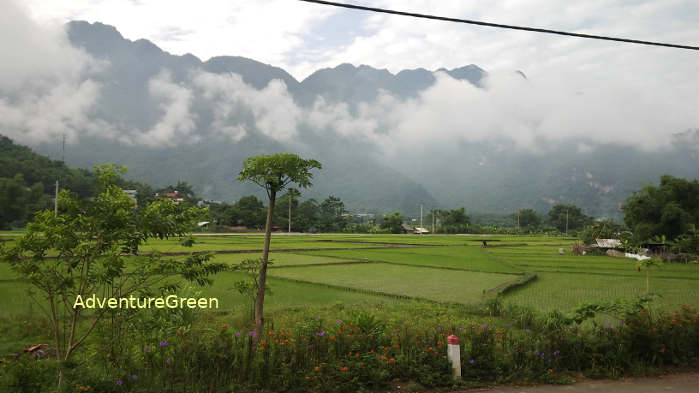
<point>604,91</point>
<point>302,37</point>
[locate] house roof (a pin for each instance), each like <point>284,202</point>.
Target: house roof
<point>608,243</point>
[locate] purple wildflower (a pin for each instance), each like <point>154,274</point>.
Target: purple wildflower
<point>168,361</point>
<point>237,334</point>
<point>147,348</point>
<point>321,334</point>
<point>556,352</point>
<point>317,316</point>
<point>119,382</point>
<point>527,331</point>
<point>621,322</point>
<point>439,329</point>
<point>471,361</point>
<point>339,321</point>
<point>536,352</point>
<point>135,377</point>
<point>163,343</point>
<point>252,334</point>
<point>485,325</point>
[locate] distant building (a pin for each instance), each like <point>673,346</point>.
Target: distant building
<point>175,196</point>
<point>415,231</point>
<point>609,244</point>
<point>207,202</point>
<point>132,195</point>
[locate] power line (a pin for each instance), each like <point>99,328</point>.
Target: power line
<point>502,26</point>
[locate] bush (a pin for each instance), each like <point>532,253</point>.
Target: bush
<point>363,353</point>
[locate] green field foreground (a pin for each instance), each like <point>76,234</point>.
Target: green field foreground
<point>327,269</point>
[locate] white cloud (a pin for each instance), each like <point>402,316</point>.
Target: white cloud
<point>266,30</point>
<point>176,126</point>
<point>273,109</point>
<point>577,89</point>
<point>45,90</point>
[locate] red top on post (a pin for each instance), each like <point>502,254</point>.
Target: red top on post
<point>453,340</point>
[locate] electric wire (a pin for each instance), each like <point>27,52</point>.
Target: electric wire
<point>499,25</point>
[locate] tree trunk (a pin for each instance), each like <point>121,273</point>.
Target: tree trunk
<point>260,300</point>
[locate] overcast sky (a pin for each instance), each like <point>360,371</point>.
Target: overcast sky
<point>302,37</point>
<point>606,92</point>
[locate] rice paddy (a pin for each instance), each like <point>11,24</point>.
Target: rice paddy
<point>322,270</point>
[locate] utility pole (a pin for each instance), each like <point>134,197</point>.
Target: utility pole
<point>433,219</point>
<point>63,149</point>
<point>421,215</point>
<point>566,221</point>
<point>63,160</point>
<point>289,213</point>
<point>55,202</point>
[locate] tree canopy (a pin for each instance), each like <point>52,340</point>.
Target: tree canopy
<point>669,209</point>
<point>561,214</point>
<point>393,222</point>
<point>528,219</point>
<point>274,172</point>
<point>81,250</point>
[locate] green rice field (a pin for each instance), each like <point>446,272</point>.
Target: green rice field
<point>319,270</point>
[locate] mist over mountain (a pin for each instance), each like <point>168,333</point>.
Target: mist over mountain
<point>387,142</point>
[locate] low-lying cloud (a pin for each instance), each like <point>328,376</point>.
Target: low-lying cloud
<point>45,85</point>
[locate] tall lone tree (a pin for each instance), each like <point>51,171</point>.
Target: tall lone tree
<point>273,173</point>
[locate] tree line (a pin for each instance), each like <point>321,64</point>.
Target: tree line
<point>668,212</point>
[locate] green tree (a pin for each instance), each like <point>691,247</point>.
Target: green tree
<point>606,229</point>
<point>80,252</point>
<point>307,214</point>
<point>332,218</point>
<point>393,222</point>
<point>670,209</point>
<point>454,221</point>
<point>528,219</point>
<point>18,201</point>
<point>567,217</point>
<point>273,173</point>
<point>248,211</point>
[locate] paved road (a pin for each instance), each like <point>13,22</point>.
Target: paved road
<point>687,382</point>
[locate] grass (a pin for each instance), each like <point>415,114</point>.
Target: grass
<point>244,242</point>
<point>419,271</point>
<point>547,259</point>
<point>564,291</point>
<point>282,259</point>
<point>460,257</point>
<point>433,284</point>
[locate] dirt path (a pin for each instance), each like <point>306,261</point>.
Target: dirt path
<point>687,382</point>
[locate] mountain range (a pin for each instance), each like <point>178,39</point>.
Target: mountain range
<point>171,118</point>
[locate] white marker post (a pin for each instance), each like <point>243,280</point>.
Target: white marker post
<point>454,355</point>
